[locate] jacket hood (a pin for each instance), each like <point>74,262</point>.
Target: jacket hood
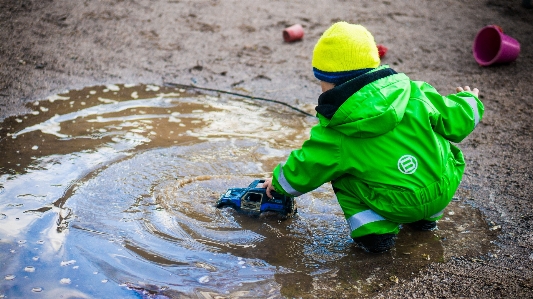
<point>367,106</point>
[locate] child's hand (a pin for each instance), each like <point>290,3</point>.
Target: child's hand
<point>268,186</point>
<point>467,88</point>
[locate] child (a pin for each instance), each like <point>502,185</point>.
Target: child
<point>383,141</point>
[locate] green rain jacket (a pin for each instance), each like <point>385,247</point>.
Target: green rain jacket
<point>384,140</point>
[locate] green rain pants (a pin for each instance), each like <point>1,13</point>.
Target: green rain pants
<point>384,210</point>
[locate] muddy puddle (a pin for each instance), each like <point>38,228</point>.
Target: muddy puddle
<point>109,192</point>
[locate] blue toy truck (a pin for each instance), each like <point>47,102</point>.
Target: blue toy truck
<point>254,200</point>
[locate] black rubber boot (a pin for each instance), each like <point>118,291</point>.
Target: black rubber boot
<point>376,243</point>
<point>423,225</point>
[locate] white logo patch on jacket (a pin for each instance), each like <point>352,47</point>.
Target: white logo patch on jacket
<point>407,164</point>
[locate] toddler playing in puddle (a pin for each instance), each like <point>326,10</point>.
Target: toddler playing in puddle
<point>383,141</point>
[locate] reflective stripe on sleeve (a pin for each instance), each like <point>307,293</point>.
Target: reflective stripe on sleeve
<point>473,104</point>
<point>285,185</point>
<point>362,218</point>
<point>436,215</point>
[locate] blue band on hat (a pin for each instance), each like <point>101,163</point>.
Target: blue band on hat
<point>338,78</point>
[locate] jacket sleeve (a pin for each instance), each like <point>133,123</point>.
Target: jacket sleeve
<point>316,163</point>
<point>455,116</point>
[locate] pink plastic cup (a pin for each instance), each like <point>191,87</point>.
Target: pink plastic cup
<point>293,33</point>
<point>492,46</point>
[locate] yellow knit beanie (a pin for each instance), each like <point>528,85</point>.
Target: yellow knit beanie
<point>344,49</point>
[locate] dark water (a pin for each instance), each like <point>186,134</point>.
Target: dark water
<point>109,192</point>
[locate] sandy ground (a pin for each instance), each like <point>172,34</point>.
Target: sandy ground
<point>48,46</point>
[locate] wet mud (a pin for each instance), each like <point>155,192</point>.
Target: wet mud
<point>111,190</point>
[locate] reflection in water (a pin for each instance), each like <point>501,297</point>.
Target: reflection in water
<point>109,192</point>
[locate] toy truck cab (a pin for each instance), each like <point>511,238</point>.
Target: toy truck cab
<point>254,200</point>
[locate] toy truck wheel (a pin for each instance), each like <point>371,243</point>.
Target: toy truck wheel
<point>225,204</point>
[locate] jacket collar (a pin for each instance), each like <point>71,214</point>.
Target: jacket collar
<point>330,101</point>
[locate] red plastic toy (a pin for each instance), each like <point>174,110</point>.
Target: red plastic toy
<point>382,50</point>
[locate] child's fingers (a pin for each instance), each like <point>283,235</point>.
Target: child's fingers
<point>467,88</point>
<point>269,194</point>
